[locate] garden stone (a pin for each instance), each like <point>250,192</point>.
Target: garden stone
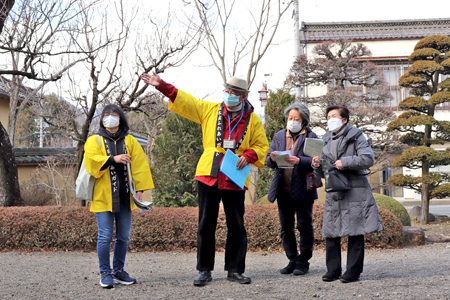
<point>414,214</point>
<point>414,236</point>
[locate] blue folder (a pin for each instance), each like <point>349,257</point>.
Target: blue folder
<point>230,170</point>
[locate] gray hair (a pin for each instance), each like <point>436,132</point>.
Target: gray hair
<point>301,108</point>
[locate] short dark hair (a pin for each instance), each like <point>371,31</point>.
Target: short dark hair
<point>114,108</point>
<point>343,111</point>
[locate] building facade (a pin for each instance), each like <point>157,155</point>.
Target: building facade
<point>391,42</point>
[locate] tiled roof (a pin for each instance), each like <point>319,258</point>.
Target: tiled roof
<point>4,91</point>
<point>39,155</point>
<point>142,140</point>
<point>374,30</point>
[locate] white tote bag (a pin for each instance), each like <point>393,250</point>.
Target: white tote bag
<point>84,185</point>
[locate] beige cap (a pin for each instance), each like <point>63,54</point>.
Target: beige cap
<point>237,84</point>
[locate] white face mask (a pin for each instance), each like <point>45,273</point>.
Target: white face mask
<point>334,124</point>
<point>294,126</point>
<point>111,121</point>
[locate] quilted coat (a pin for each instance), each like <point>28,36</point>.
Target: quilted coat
<point>298,189</point>
<point>353,212</point>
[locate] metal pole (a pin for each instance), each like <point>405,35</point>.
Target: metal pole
<point>297,48</point>
<point>41,132</point>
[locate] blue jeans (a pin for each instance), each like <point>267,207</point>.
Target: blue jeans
<point>105,223</point>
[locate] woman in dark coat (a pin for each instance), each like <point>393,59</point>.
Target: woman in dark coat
<point>351,213</point>
<point>289,187</point>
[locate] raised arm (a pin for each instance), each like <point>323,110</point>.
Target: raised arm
<point>151,79</point>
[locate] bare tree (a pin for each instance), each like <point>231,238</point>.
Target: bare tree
<point>36,44</point>
<point>223,35</point>
<point>9,178</point>
<point>56,176</point>
<point>112,78</point>
<point>166,47</point>
<point>150,122</point>
<point>338,65</point>
<point>5,8</point>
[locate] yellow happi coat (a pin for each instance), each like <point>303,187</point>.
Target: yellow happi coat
<point>95,158</point>
<point>206,113</point>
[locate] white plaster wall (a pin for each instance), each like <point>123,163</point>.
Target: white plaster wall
<point>391,48</point>
<point>382,48</point>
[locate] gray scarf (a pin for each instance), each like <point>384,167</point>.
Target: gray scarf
<point>334,142</point>
<point>237,108</point>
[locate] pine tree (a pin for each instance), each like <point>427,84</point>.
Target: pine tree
<point>431,58</point>
<point>338,65</point>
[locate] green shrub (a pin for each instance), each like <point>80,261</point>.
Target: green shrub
<point>264,178</point>
<point>393,206</point>
<point>162,229</point>
<point>264,200</point>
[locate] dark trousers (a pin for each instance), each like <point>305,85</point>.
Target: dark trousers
<point>208,210</point>
<point>355,254</point>
<point>287,209</point>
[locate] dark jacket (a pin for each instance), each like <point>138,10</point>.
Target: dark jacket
<point>353,212</point>
<point>298,191</point>
<point>116,144</point>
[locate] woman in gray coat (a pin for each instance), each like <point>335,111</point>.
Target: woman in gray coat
<point>353,212</point>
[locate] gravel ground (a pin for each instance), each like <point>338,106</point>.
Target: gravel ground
<point>410,273</point>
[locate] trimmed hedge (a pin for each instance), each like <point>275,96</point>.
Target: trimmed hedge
<point>53,228</point>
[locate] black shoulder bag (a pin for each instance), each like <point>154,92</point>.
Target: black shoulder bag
<point>337,180</point>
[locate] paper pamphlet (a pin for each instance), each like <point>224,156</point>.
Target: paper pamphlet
<point>280,159</point>
<point>230,170</point>
<point>313,147</point>
<point>141,205</point>
<point>287,152</point>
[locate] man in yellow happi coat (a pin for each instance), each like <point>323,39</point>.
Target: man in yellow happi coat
<point>231,125</point>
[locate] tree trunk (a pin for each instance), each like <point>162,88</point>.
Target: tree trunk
<point>9,178</point>
<point>425,204</point>
<point>6,6</point>
<point>425,197</point>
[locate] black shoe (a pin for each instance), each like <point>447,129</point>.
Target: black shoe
<point>331,276</point>
<point>238,277</point>
<point>289,268</point>
<point>202,278</point>
<point>349,277</point>
<point>301,268</point>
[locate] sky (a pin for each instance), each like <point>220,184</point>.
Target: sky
<point>198,80</point>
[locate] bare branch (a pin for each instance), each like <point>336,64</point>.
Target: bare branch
<point>252,45</point>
